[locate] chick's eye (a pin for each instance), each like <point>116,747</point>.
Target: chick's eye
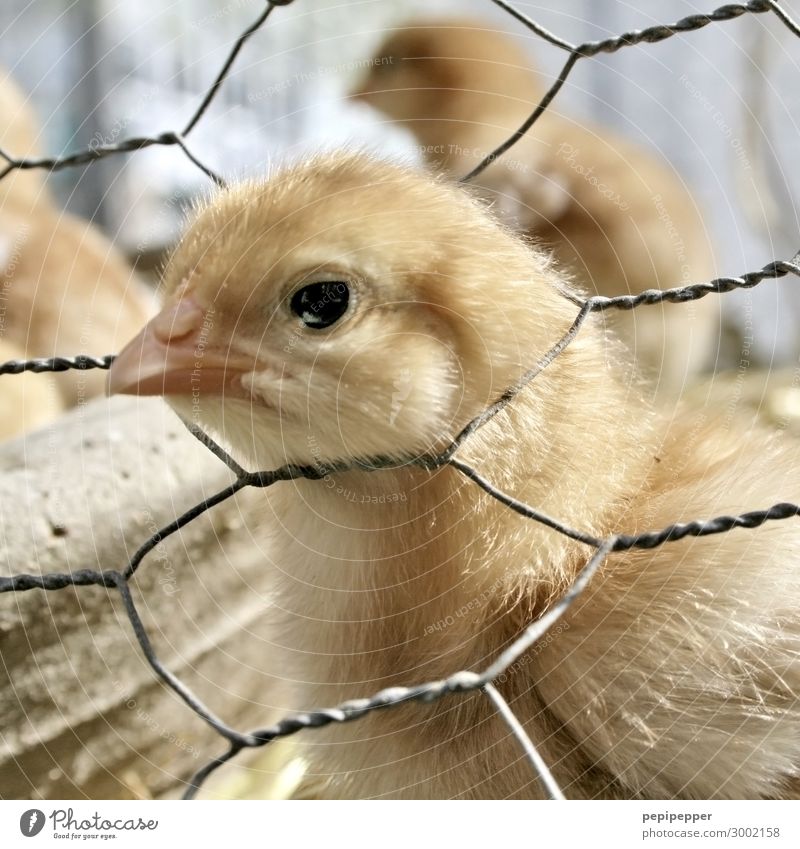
<point>320,305</point>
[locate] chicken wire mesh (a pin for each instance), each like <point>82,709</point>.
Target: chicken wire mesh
<point>461,681</point>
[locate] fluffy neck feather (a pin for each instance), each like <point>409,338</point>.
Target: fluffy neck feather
<point>405,575</point>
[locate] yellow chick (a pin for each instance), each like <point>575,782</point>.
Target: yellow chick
<point>66,289</point>
<point>620,219</point>
<point>29,400</point>
<point>349,308</point>
<point>19,137</point>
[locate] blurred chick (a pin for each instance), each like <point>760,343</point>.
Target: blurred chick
<point>611,211</point>
<point>19,137</point>
<point>29,400</point>
<point>66,289</point>
<point>296,310</point>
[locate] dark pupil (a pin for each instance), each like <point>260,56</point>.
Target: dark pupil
<point>321,304</point>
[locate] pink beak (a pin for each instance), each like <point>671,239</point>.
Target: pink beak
<point>172,356</point>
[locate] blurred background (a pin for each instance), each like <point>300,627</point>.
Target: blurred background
<point>720,105</point>
<point>83,713</point>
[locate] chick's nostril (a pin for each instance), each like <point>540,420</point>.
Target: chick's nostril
<point>185,318</point>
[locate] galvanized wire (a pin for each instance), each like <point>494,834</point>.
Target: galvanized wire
<point>463,681</point>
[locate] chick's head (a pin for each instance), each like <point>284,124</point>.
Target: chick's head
<point>343,308</point>
<point>432,68</point>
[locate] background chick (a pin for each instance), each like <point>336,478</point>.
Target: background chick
<point>66,289</point>
<point>617,217</point>
<point>29,400</point>
<point>295,311</point>
<point>19,137</point>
